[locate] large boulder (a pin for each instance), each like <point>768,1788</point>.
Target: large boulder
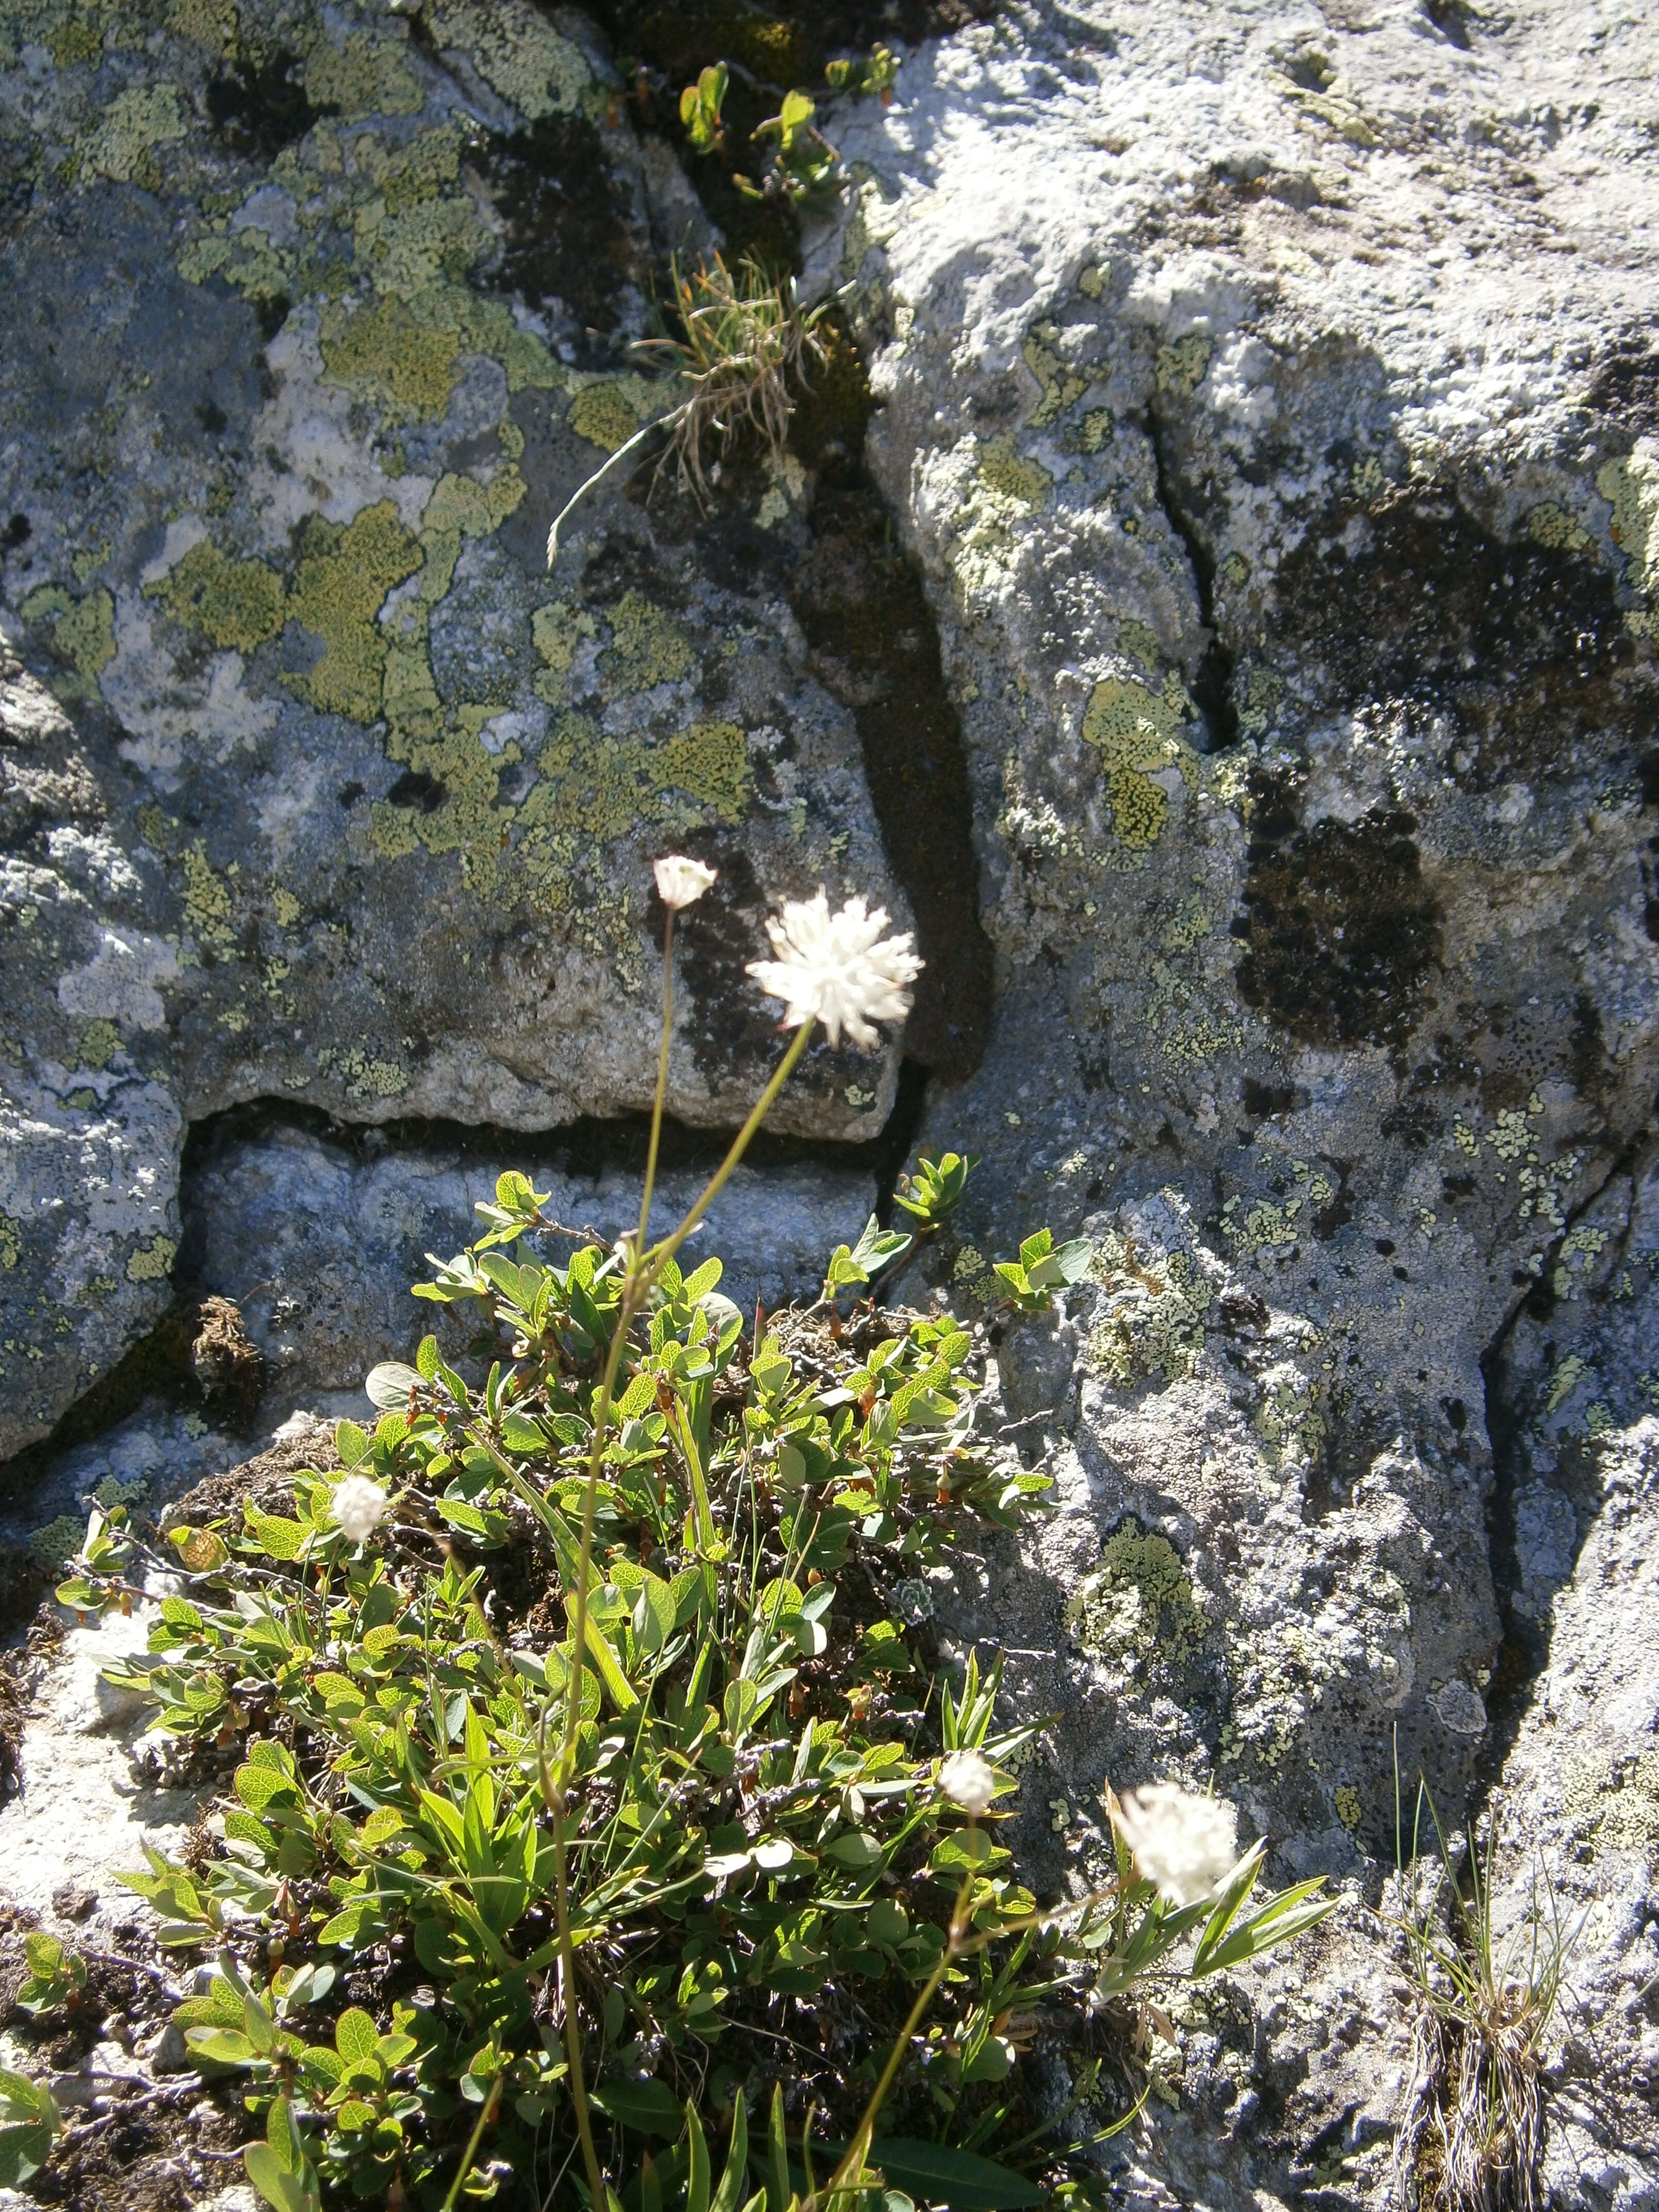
<point>318,323</point>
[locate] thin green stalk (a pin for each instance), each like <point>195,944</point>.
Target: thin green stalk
<point>662,1080</point>
<point>722,1175</point>
<point>642,1273</point>
<point>465,2165</point>
<point>852,2164</point>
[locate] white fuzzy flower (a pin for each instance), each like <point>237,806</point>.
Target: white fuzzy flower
<point>838,969</point>
<point>360,1507</point>
<point>968,1780</point>
<point>681,882</point>
<point>1185,1844</point>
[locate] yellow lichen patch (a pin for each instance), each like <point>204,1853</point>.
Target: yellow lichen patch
<point>99,1043</point>
<point>516,51</point>
<point>1133,728</point>
<point>709,762</point>
<point>211,23</point>
<point>366,77</point>
<point>11,1242</point>
<point>590,783</point>
<point>554,631</point>
<point>1138,1604</point>
<point>363,1076</point>
<point>152,1262</point>
<point>1011,477</point>
<point>1550,525</point>
<point>121,144</point>
<point>1182,367</point>
<point>1348,1807</point>
<point>207,899</point>
<point>466,819</point>
<point>83,629</point>
<point>647,647</point>
<point>1139,639</point>
<point>603,414</point>
<point>1154,1324</point>
<point>1061,387</point>
<point>460,507</point>
<point>339,587</point>
<point>235,603</point>
<point>1632,488</point>
<point>383,354</point>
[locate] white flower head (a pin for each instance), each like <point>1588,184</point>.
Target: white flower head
<point>359,1507</point>
<point>681,881</point>
<point>1187,1845</point>
<point>838,969</point>
<point>969,1780</point>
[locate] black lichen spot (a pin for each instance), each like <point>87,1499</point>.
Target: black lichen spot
<point>272,307</point>
<point>416,787</point>
<point>1624,386</point>
<point>16,533</point>
<point>567,218</point>
<point>1522,649</point>
<point>257,108</point>
<point>1340,930</point>
<point>1451,18</point>
<point>349,793</point>
<point>212,418</point>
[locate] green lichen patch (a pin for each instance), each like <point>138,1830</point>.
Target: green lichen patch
<point>121,144</point>
<point>1631,488</point>
<point>1013,478</point>
<point>239,604</point>
<point>1137,1607</point>
<point>1154,1323</point>
<point>152,1262</point>
<point>1062,387</point>
<point>364,76</point>
<point>517,51</point>
<point>1135,729</point>
<point>647,647</point>
<point>99,1043</point>
<point>1182,367</point>
<point>1614,1802</point>
<point>340,588</point>
<point>84,630</point>
<point>383,353</point>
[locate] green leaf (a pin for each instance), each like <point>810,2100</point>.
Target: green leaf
<point>650,2107</point>
<point>357,2038</point>
<point>730,2195</point>
<point>696,2190</point>
<point>388,1386</point>
<point>350,1442</point>
<point>29,2121</point>
<point>959,2178</point>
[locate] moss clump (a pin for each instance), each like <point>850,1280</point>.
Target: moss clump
<point>340,588</point>
<point>1137,1605</point>
<point>237,604</point>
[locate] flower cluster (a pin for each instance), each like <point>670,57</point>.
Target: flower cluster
<point>1187,1845</point>
<point>838,969</point>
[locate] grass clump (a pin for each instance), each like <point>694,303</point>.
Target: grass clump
<point>743,346</point>
<point>1472,2137</point>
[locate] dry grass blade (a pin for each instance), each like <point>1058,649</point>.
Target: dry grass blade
<point>1472,2136</point>
<point>744,346</point>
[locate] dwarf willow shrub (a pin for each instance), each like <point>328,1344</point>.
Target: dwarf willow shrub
<point>759,1838</point>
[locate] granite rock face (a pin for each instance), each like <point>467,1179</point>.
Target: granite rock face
<point>320,787</point>
<point>1265,401</point>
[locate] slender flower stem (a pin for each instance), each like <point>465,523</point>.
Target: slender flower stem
<point>844,2179</point>
<point>639,1273</point>
<point>662,1080</point>
<point>662,1253</point>
<point>465,2165</point>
